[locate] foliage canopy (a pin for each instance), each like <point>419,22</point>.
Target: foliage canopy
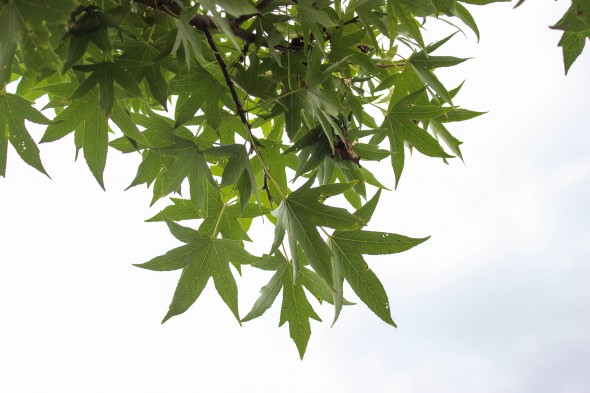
<point>243,110</point>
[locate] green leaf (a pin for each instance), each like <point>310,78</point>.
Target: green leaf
<point>29,23</point>
<point>222,23</point>
<point>182,233</point>
<point>75,115</point>
<point>300,214</point>
<point>318,287</point>
<point>10,31</point>
<point>222,217</point>
<point>296,310</point>
<point>105,74</point>
<point>400,126</point>
<point>95,143</point>
<point>201,258</point>
<point>576,19</point>
<point>90,123</point>
<point>182,209</point>
<point>189,38</point>
<point>175,259</point>
<point>462,13</point>
<point>199,89</point>
<point>349,248</point>
<point>210,259</point>
<point>363,281</point>
<point>237,8</point>
<point>143,62</point>
<point>375,243</point>
<point>237,166</point>
<point>441,132</point>
<point>189,162</point>
<point>459,114</point>
<point>400,11</point>
<point>268,294</point>
<point>3,150</point>
<point>370,152</point>
<point>150,167</point>
<point>123,120</point>
<point>14,110</point>
<point>573,45</point>
<point>266,95</point>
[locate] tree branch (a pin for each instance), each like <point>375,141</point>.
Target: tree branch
<point>204,22</point>
<point>239,108</point>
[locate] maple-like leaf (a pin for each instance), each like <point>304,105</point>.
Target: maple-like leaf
<point>14,110</point>
<point>200,259</point>
<point>105,74</point>
<point>237,171</point>
<point>143,61</point>
<point>295,308</point>
<point>262,97</point>
<point>199,89</point>
<point>86,118</point>
<point>573,44</point>
<point>29,24</point>
<point>349,263</point>
<point>400,127</point>
<point>300,213</point>
<point>423,64</point>
<point>222,217</point>
<point>189,162</point>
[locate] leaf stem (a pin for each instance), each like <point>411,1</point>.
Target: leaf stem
<point>225,205</point>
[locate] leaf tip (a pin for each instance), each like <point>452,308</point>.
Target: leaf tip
<point>141,265</point>
<point>167,317</point>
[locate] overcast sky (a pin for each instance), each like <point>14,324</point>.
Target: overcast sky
<point>497,301</point>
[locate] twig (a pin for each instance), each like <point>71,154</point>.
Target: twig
<point>204,22</point>
<point>239,108</point>
<point>398,64</point>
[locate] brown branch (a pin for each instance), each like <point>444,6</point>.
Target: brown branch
<point>201,22</point>
<point>239,108</point>
<point>229,82</point>
<point>204,22</point>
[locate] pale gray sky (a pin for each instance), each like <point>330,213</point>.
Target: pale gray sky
<point>497,301</point>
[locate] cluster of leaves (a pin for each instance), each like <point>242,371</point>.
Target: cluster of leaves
<point>576,30</point>
<point>244,110</point>
<point>575,24</point>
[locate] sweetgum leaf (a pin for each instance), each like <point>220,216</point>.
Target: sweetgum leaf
<point>572,45</point>
<point>268,294</point>
<point>28,23</point>
<point>201,258</point>
<point>400,127</point>
<point>189,162</point>
<point>14,110</point>
<point>349,263</point>
<point>301,213</point>
<point>296,310</point>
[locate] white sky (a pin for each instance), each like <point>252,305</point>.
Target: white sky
<point>497,301</point>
